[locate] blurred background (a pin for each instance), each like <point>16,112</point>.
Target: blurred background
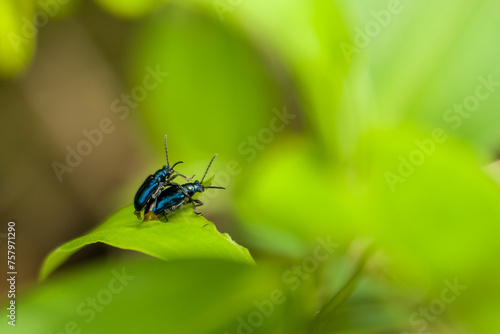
<point>356,121</point>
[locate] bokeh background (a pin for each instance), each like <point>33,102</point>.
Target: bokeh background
<point>366,122</point>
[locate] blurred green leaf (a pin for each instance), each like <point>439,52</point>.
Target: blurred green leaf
<point>18,33</point>
<point>305,36</point>
<point>189,296</point>
<point>435,199</point>
<point>308,198</point>
<point>218,87</point>
<point>414,65</point>
<point>424,222</point>
<point>376,306</point>
<point>184,236</point>
<point>327,313</point>
<point>436,223</point>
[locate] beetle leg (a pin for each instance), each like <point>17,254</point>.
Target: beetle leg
<point>194,209</point>
<point>169,180</point>
<point>177,206</point>
<point>158,191</point>
<point>188,179</point>
<point>196,203</point>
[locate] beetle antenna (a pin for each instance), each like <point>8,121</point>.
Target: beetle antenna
<point>166,151</point>
<point>215,187</point>
<point>178,162</point>
<point>210,164</point>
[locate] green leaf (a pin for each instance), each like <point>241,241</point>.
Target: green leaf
<point>434,224</point>
<point>184,236</point>
<point>415,65</point>
<point>186,296</point>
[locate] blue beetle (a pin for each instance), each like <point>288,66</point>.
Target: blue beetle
<point>154,184</point>
<point>175,196</point>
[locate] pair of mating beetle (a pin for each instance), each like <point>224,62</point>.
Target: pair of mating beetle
<point>159,195</point>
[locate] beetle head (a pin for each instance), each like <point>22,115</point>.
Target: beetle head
<point>198,187</point>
